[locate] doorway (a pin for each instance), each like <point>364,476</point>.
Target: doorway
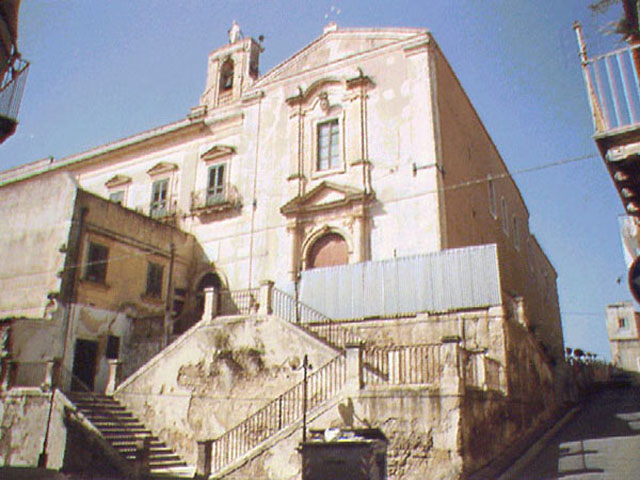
<point>84,364</point>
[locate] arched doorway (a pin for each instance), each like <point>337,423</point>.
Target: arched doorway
<point>328,251</point>
<point>210,279</point>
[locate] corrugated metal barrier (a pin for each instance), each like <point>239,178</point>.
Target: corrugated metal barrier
<point>437,282</point>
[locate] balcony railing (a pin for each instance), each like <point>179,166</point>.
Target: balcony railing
<point>206,201</point>
<point>164,211</point>
<point>11,88</point>
<point>613,87</point>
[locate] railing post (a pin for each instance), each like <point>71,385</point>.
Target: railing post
<point>5,374</point>
<point>48,375</point>
<point>354,380</point>
<point>266,293</point>
<point>451,382</point>
<point>114,376</point>
<point>482,371</point>
<point>210,303</point>
<point>203,463</point>
<point>394,366</point>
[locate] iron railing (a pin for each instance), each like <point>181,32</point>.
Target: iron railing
<point>279,413</point>
<point>316,323</point>
<point>613,87</point>
<point>12,87</point>
<point>403,364</point>
<point>238,302</point>
<point>206,200</point>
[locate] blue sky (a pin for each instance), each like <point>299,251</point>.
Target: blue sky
<point>105,70</point>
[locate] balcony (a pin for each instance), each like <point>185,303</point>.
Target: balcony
<point>165,211</point>
<point>11,87</point>
<point>612,82</point>
<point>207,201</point>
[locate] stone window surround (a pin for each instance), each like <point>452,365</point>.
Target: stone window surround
<point>163,171</point>
<point>118,183</point>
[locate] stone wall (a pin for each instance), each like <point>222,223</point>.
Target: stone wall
<point>23,423</point>
<point>217,374</point>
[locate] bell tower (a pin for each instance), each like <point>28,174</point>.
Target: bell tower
<point>231,69</point>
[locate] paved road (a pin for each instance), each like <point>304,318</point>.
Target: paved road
<point>602,442</point>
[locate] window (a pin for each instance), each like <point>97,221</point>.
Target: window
<point>516,233</point>
<point>158,207</point>
<point>505,217</point>
<point>622,322</point>
<point>154,280</point>
<point>215,188</point>
<point>328,145</point>
<point>113,347</point>
<point>493,203</point>
<point>226,76</point>
<point>117,197</point>
<point>96,268</point>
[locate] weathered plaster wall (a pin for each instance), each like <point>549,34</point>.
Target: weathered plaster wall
<point>23,423</point>
<point>216,375</point>
<point>492,421</point>
<point>133,240</point>
<point>469,156</point>
<point>36,218</point>
<point>422,425</point>
<point>477,329</point>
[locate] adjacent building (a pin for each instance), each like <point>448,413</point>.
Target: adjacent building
<point>611,82</point>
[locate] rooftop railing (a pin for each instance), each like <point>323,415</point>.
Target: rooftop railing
<point>612,81</point>
<point>11,88</point>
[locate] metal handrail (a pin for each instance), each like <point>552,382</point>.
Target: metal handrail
<point>314,322</point>
<point>279,413</point>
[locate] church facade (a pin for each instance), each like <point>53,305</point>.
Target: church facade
<point>358,149</point>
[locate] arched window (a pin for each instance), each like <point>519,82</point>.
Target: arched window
<point>328,251</point>
<point>226,76</point>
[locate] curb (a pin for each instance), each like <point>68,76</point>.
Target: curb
<point>538,445</point>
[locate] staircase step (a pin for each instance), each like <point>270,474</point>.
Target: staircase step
<point>124,431</point>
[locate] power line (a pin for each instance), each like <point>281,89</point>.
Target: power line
<point>465,184</point>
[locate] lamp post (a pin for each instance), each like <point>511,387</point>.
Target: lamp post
<point>305,366</point>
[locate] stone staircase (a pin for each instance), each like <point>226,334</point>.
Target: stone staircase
<point>125,433</point>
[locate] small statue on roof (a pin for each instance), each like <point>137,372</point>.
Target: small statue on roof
<point>234,32</point>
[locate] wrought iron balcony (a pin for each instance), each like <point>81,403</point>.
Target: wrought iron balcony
<point>12,84</point>
<point>209,201</point>
<point>164,211</point>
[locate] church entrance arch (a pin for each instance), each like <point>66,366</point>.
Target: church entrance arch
<point>328,251</point>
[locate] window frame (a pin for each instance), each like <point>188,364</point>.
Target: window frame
<point>115,193</point>
<point>214,198</point>
<point>516,232</point>
<point>95,269</point>
<point>622,323</point>
<point>505,216</point>
<point>155,211</point>
<point>155,279</point>
<point>339,162</point>
<point>493,199</point>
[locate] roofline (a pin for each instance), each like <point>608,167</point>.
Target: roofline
<point>38,167</point>
<point>415,31</point>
